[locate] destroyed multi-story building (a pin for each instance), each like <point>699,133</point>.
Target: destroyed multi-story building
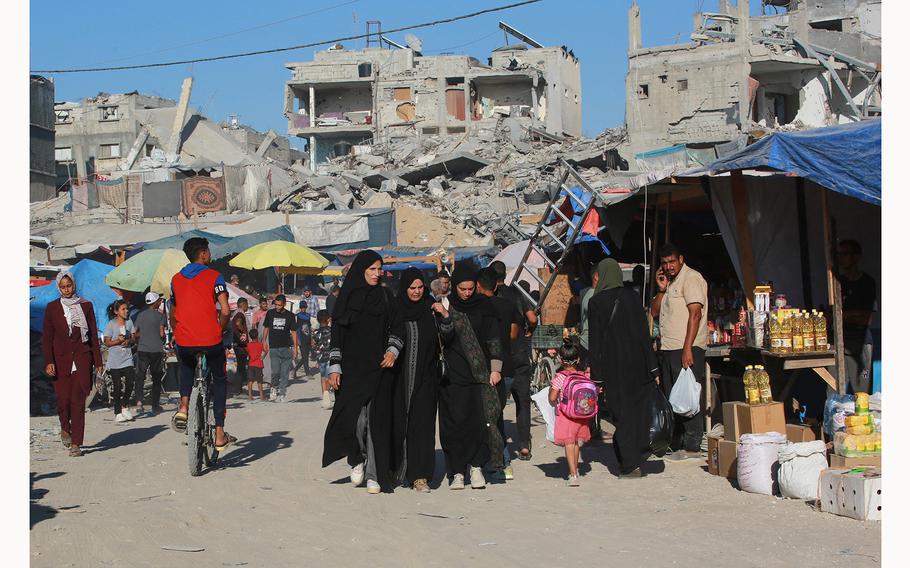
<point>801,64</point>
<point>345,98</point>
<point>95,134</point>
<point>42,173</point>
<point>269,145</point>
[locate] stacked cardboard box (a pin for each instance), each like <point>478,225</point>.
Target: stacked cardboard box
<point>741,418</point>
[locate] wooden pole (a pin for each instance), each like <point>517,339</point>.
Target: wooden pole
<point>667,220</point>
<point>834,293</point>
<point>744,233</point>
<point>803,228</point>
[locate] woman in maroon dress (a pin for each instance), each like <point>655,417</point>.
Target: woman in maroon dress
<point>71,349</point>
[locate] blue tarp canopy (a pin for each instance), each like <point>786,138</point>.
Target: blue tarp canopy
<point>846,158</point>
<point>90,285</point>
<point>219,245</point>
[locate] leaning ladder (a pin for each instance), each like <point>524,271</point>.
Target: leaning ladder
<point>542,232</point>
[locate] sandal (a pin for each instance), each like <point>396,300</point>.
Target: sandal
<point>178,422</point>
<point>66,438</point>
<point>228,440</point>
<point>75,451</point>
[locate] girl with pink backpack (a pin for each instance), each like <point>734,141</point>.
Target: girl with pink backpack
<point>575,397</point>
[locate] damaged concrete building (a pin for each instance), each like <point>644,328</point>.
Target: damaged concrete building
<point>346,98</point>
<point>41,171</point>
<point>802,64</point>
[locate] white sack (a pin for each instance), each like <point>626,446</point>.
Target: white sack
<point>756,462</point>
<point>800,466</point>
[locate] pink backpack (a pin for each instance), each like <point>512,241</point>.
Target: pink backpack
<point>578,399</point>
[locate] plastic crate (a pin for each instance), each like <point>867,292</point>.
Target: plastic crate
<point>547,337</point>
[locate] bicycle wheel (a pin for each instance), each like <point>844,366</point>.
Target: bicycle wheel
<point>195,433</point>
<point>208,452</point>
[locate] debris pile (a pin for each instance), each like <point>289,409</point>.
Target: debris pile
<point>483,182</point>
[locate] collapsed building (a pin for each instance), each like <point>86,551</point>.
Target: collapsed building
<point>804,64</point>
<point>344,98</point>
<point>42,174</point>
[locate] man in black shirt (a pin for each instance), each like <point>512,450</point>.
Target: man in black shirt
<point>280,343</point>
<point>858,297</point>
<point>509,320</point>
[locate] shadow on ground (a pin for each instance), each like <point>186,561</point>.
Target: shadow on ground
<point>251,449</point>
<point>38,512</point>
<point>126,437</point>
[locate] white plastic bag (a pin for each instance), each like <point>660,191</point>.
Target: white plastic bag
<point>686,394</point>
<point>756,462</point>
<point>800,466</point>
<point>542,400</point>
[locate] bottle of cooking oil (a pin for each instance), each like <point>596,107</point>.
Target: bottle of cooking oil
<point>786,339</point>
<point>808,331</point>
<point>774,332</point>
<point>796,333</point>
<point>751,385</point>
<point>821,332</point>
<point>764,385</point>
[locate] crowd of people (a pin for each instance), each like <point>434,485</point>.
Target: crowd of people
<point>457,347</point>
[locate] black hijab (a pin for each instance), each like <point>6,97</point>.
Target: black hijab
<point>477,303</point>
<point>411,310</point>
<point>356,295</point>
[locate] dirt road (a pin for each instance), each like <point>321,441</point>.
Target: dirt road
<point>270,504</point>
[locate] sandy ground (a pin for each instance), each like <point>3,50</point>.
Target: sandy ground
<point>270,504</point>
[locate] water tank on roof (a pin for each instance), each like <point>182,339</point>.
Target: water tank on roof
<point>365,70</point>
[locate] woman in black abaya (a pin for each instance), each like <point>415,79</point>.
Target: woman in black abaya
<point>417,378</point>
<point>621,357</point>
<point>468,404</point>
<point>364,346</point>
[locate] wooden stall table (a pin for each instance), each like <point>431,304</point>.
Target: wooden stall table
<point>719,351</point>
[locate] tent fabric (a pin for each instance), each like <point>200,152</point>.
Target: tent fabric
<point>89,285</point>
<point>220,245</point>
<point>846,158</point>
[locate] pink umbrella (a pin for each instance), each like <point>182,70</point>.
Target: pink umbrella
<point>511,257</point>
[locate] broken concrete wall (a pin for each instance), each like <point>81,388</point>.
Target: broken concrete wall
<point>684,95</point>
<point>489,95</point>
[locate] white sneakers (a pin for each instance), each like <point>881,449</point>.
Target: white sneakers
<point>457,481</point>
<point>326,401</point>
<point>273,394</point>
<point>124,416</point>
<point>126,412</point>
<point>477,479</point>
<point>357,475</point>
<point>373,487</point>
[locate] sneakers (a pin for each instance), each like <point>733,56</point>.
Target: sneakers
<point>457,481</point>
<point>125,412</point>
<point>634,474</point>
<point>326,401</point>
<point>572,481</point>
<point>477,479</point>
<point>507,473</point>
<point>273,394</point>
<point>121,418</point>
<point>683,455</point>
<point>373,487</point>
<point>357,475</point>
<point>421,486</point>
<point>281,398</point>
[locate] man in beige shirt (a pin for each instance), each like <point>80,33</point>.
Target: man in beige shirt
<point>681,304</point>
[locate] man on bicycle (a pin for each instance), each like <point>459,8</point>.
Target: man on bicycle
<point>198,328</point>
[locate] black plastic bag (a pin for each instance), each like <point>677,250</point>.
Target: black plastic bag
<point>660,424</point>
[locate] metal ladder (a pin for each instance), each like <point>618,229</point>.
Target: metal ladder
<point>537,240</point>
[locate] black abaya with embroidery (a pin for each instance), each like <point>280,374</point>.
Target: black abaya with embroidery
<point>416,383</point>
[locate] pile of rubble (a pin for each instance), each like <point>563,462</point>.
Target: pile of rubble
<point>484,181</point>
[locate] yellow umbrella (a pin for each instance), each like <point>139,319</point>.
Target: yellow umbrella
<point>288,257</point>
<point>332,271</point>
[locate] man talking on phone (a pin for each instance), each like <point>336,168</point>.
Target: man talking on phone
<point>681,304</point>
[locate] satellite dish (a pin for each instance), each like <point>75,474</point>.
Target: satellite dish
<point>413,42</point>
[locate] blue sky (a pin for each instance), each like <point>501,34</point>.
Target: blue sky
<point>90,34</point>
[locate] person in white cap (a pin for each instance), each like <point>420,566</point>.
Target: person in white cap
<point>150,331</point>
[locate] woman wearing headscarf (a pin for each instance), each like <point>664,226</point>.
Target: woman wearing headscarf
<point>71,349</point>
<point>468,403</point>
<point>417,378</point>
<point>364,346</point>
<point>621,357</point>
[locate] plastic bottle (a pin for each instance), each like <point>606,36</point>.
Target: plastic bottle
<point>774,334</point>
<point>809,332</point>
<point>751,385</point>
<point>786,339</point>
<point>821,332</point>
<point>764,385</point>
<point>796,333</point>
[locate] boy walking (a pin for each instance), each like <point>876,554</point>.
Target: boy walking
<point>322,338</point>
<point>256,352</point>
<point>281,343</point>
